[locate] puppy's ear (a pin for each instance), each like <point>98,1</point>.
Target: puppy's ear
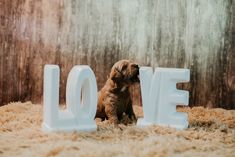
<point>116,75</point>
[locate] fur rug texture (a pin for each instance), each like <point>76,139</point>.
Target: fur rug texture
<point>211,133</point>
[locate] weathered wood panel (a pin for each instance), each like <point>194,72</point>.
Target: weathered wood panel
<point>195,34</point>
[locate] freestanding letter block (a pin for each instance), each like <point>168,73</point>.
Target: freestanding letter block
<point>160,97</point>
<point>81,100</point>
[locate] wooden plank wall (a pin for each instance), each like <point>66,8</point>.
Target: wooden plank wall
<point>194,34</point>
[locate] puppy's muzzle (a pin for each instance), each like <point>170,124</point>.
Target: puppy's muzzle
<point>135,76</point>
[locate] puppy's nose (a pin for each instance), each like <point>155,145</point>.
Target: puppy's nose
<point>135,66</point>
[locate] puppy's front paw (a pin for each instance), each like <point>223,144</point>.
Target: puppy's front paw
<point>128,119</point>
<point>133,118</point>
<point>113,120</point>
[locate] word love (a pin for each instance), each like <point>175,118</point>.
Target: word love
<point>159,95</point>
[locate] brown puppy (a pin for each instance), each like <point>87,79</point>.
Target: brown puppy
<point>114,98</point>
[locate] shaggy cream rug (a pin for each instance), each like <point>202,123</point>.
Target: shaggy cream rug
<point>211,133</point>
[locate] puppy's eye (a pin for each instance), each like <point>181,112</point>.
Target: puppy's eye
<point>124,67</point>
